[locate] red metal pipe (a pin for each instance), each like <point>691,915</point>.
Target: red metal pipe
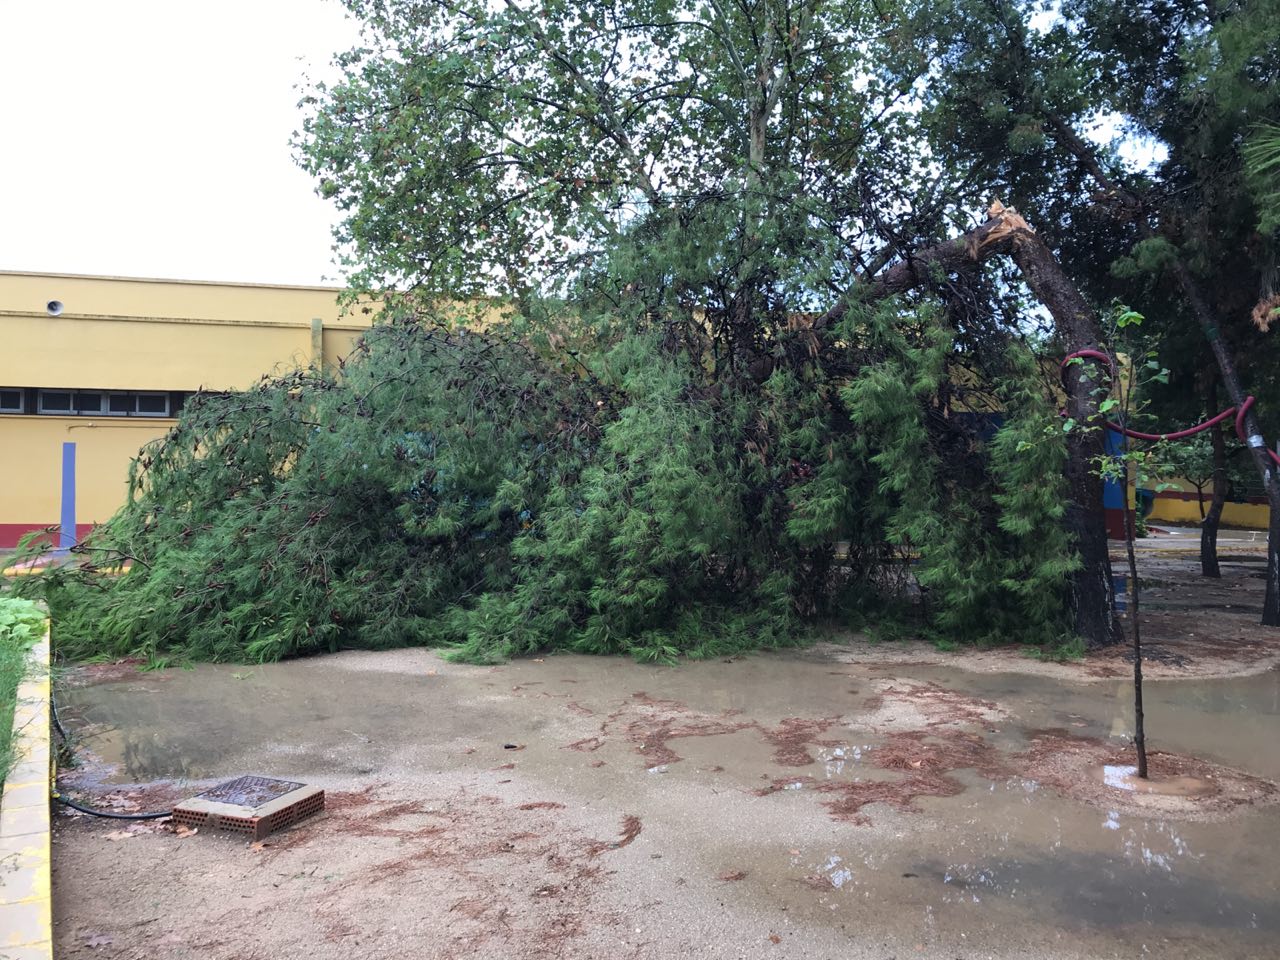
<point>1177,434</point>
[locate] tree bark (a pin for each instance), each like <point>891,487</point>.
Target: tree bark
<point>1209,526</point>
<point>1006,232</point>
<point>1093,590</point>
<point>1253,436</point>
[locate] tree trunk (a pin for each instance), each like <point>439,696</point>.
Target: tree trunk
<point>1253,437</point>
<point>1094,593</point>
<point>1209,526</point>
<point>1092,590</point>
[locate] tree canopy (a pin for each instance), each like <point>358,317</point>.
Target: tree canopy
<point>768,357</point>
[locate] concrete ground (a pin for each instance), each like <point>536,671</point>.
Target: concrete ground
<point>850,801</point>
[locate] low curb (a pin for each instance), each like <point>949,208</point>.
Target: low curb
<point>26,889</point>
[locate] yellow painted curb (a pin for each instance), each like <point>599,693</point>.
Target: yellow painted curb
<point>26,889</point>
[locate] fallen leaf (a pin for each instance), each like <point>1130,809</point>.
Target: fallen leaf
<point>732,875</point>
<point>96,940</point>
<point>774,939</point>
<point>259,845</point>
<point>184,831</point>
<point>119,835</point>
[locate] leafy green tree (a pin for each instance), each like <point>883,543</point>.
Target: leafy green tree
<point>639,156</point>
<point>1194,461</point>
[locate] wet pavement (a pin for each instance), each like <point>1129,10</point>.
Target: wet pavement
<point>844,808</point>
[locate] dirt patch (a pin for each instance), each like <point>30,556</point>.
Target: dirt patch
<point>848,799</point>
<point>940,751</point>
<point>903,705</point>
<point>144,798</point>
<point>927,758</point>
<point>778,784</point>
<point>85,674</point>
<point>1076,767</point>
<point>506,881</point>
<point>650,724</point>
<point>792,738</point>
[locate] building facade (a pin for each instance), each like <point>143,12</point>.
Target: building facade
<point>92,368</point>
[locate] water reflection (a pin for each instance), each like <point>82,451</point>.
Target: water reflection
<point>835,758</point>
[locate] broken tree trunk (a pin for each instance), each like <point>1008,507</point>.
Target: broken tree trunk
<point>1006,232</point>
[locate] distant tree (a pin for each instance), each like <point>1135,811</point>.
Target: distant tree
<point>1191,460</point>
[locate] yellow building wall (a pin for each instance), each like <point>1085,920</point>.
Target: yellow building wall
<point>123,334</point>
<point>337,344</point>
<point>185,299</point>
<point>145,355</point>
<point>1177,511</point>
<point>104,447</point>
<point>117,333</point>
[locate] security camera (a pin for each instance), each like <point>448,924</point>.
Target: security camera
<point>54,308</point>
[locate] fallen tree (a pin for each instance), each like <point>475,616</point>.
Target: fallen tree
<point>463,489</point>
<point>1005,232</point>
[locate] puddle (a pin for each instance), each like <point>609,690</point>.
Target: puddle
<point>743,767</point>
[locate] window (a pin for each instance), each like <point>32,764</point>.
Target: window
<point>55,401</point>
<point>11,400</point>
<point>88,401</point>
<point>91,403</point>
<point>138,405</point>
<point>153,404</point>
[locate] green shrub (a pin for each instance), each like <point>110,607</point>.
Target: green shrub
<point>461,489</point>
<point>21,624</point>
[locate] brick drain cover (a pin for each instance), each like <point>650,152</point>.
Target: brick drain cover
<point>249,791</point>
<point>251,806</point>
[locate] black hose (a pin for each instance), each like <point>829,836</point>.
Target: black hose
<point>111,816</point>
<point>66,739</point>
<point>57,724</point>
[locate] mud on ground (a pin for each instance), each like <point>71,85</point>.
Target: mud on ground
<point>852,800</point>
<point>1192,627</point>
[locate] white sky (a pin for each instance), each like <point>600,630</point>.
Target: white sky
<point>149,138</point>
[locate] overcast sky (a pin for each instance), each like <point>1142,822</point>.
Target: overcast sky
<point>148,138</point>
